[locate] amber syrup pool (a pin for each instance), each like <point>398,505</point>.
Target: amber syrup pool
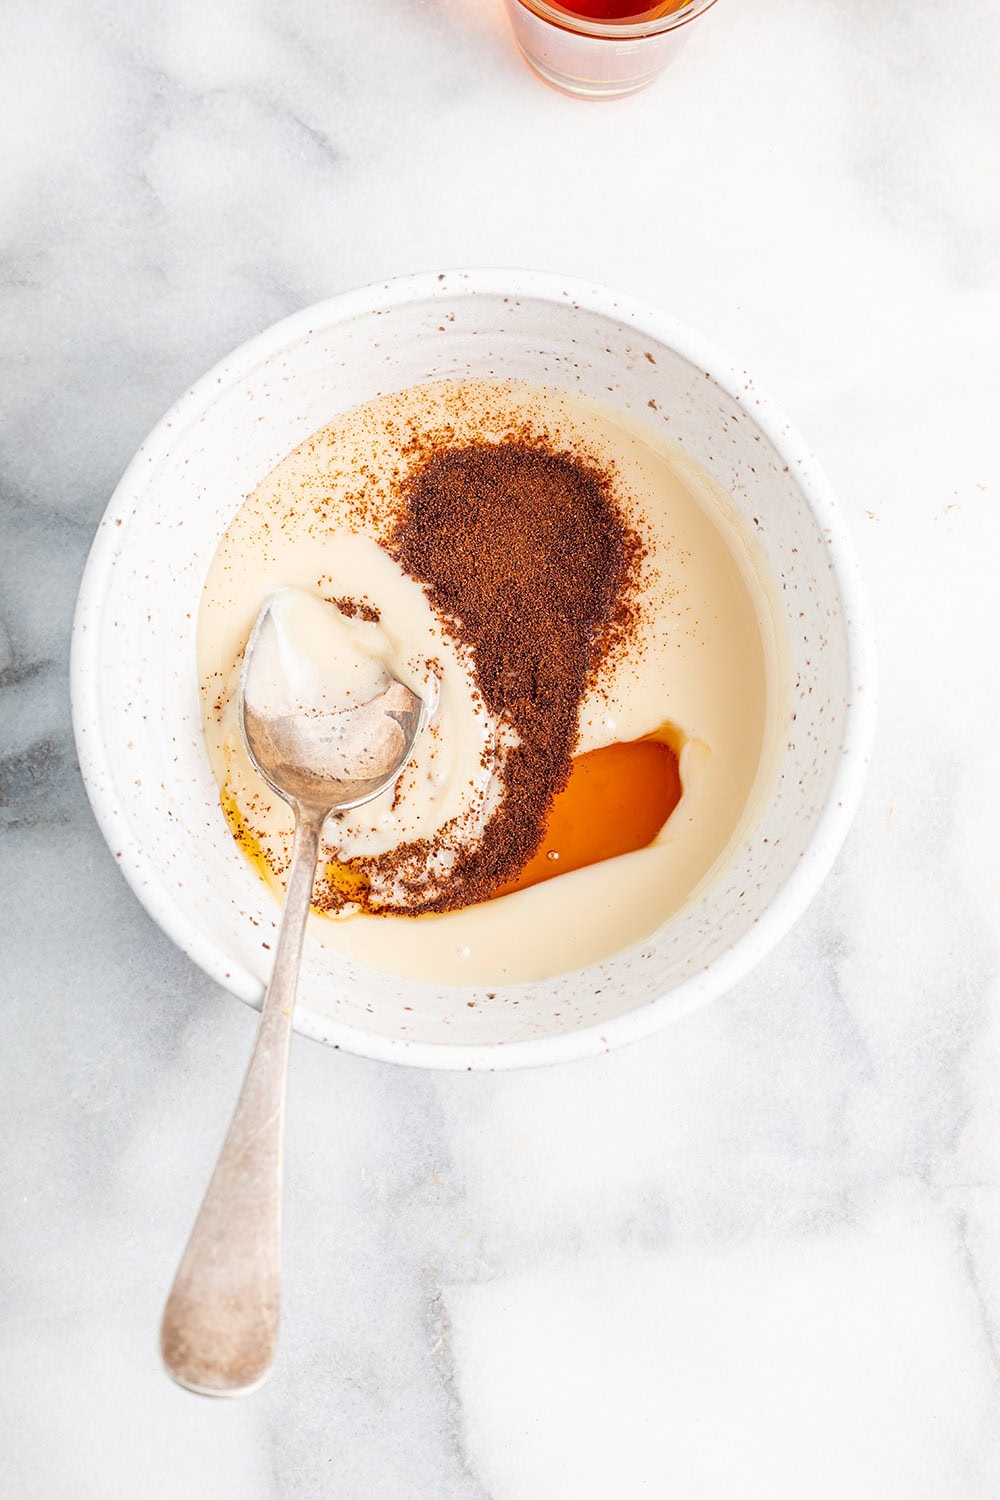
<point>616,801</point>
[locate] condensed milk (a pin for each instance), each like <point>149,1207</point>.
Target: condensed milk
<point>697,688</point>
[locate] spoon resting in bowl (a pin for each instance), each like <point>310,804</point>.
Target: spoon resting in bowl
<point>328,726</point>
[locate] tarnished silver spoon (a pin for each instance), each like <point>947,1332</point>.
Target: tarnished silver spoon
<point>220,1324</point>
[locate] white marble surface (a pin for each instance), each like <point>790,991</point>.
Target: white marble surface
<point>758,1255</point>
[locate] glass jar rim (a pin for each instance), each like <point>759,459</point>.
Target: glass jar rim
<point>582,26</point>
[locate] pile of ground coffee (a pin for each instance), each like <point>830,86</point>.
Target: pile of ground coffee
<point>529,557</point>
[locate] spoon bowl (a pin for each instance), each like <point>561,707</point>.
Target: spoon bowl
<point>320,755</point>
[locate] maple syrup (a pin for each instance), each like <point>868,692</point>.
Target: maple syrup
<point>628,12</point>
<point>616,801</point>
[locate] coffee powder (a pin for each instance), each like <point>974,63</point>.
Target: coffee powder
<point>529,557</point>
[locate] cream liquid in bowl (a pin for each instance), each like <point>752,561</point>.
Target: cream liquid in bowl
<point>704,658</point>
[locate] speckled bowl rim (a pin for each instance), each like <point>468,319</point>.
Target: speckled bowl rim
<point>859,723</point>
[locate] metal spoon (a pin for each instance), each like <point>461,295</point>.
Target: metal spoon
<point>220,1324</point>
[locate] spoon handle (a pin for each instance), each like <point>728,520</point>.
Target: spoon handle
<point>220,1324</point>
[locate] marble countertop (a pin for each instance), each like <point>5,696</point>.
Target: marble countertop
<point>757,1255</point>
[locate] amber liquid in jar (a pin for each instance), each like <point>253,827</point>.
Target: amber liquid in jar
<point>629,12</point>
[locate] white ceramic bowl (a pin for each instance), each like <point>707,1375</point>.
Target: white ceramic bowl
<point>135,685</point>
